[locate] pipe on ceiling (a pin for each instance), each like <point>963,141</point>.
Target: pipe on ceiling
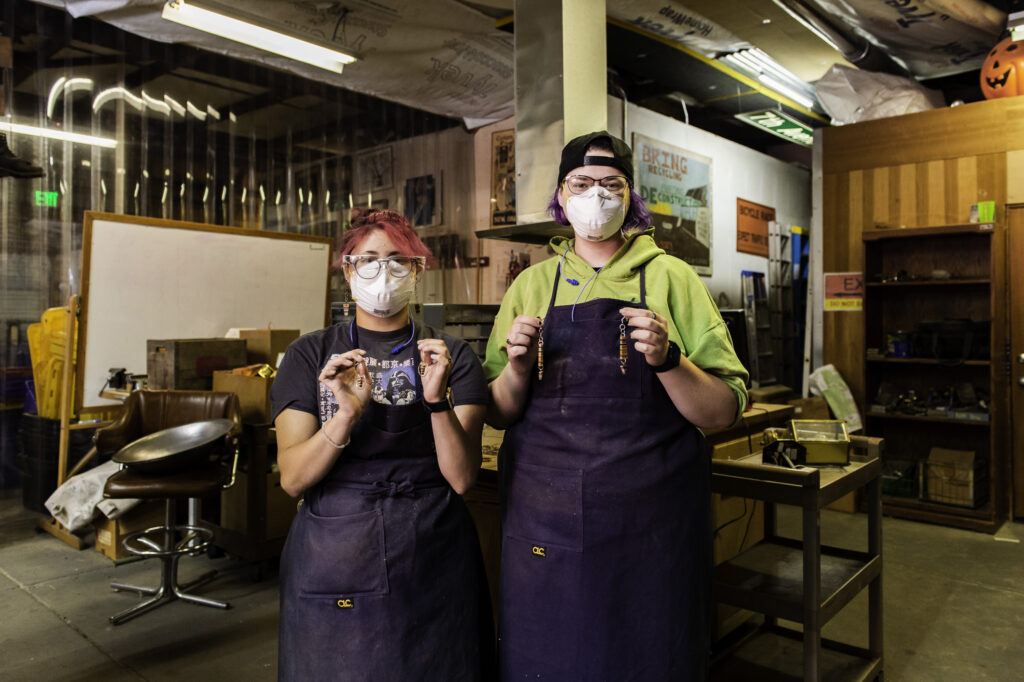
<point>854,49</point>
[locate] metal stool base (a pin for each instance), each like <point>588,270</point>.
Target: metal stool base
<point>169,550</point>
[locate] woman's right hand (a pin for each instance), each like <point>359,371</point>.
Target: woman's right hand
<point>343,375</point>
<point>521,343</point>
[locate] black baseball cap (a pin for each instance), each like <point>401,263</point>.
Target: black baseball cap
<point>574,155</point>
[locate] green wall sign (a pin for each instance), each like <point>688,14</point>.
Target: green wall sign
<point>47,199</point>
<point>779,124</point>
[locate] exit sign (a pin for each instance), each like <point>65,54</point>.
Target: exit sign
<point>779,124</point>
<point>47,199</point>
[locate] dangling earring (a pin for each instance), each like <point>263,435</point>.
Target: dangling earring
<point>540,351</point>
<point>622,346</point>
<point>344,309</point>
<point>422,369</point>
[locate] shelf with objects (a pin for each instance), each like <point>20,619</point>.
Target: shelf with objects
<point>803,581</point>
<point>933,322</point>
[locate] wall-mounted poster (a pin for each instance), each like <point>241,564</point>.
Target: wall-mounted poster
<point>752,227</point>
<point>676,184</point>
<point>503,178</point>
<point>374,171</point>
<point>422,201</point>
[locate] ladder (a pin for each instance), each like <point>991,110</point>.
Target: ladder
<point>759,338</point>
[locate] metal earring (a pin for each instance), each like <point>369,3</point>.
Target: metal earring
<point>623,354</point>
<point>344,309</point>
<point>540,351</point>
<point>422,369</point>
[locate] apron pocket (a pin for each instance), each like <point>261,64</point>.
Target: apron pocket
<point>341,555</point>
<point>545,505</point>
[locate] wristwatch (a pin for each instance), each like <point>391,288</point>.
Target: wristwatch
<point>441,405</point>
<point>671,359</point>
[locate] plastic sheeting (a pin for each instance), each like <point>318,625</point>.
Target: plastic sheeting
<point>850,95</point>
<point>675,22</point>
<point>80,498</point>
<point>434,55</point>
<point>932,38</point>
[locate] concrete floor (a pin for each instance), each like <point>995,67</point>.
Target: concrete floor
<point>954,608</point>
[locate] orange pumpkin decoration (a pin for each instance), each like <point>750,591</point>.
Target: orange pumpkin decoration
<point>1002,74</point>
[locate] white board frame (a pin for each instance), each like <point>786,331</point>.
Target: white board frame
<point>146,278</point>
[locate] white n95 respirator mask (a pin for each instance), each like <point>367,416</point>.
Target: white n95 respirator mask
<point>383,295</point>
<point>596,214</point>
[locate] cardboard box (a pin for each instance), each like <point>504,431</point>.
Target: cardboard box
<point>776,393</point>
<point>955,477</point>
<point>189,364</point>
<point>253,394</point>
<point>273,520</point>
<point>111,532</point>
<point>810,408</point>
<point>738,522</point>
<point>262,346</point>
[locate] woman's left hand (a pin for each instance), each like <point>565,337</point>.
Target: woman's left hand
<point>649,332</point>
<point>435,363</point>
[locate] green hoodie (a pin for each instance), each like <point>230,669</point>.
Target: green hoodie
<point>674,291</point>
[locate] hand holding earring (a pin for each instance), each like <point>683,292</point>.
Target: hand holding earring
<point>649,332</point>
<point>523,344</point>
<point>348,379</point>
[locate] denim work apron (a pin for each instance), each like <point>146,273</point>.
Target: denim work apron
<point>606,555</point>
<point>381,574</point>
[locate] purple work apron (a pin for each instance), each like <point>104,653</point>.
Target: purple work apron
<point>381,575</point>
<point>606,556</point>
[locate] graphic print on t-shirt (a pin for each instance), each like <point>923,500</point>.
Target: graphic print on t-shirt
<point>393,381</point>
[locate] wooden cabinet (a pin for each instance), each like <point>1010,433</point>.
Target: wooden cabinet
<point>934,331</point>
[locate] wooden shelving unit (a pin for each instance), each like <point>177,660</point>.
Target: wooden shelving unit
<point>899,295</point>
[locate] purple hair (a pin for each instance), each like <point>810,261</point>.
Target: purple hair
<point>638,218</point>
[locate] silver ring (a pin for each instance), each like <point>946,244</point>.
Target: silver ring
<point>654,315</point>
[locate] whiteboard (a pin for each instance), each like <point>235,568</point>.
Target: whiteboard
<point>145,278</point>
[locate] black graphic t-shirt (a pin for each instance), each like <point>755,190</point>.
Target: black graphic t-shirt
<point>296,385</point>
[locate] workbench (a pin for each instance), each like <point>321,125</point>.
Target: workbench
<point>802,581</point>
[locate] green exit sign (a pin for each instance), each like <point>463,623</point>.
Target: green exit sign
<point>47,199</point>
<point>779,124</point>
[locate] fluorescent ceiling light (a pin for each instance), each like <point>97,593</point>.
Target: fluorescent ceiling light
<point>63,135</point>
<point>786,91</point>
<point>223,23</point>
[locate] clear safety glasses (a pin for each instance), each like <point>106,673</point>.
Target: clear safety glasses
<point>578,184</point>
<point>369,267</point>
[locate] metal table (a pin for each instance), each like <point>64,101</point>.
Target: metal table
<point>805,581</point>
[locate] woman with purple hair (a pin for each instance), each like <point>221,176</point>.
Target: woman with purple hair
<point>605,362</point>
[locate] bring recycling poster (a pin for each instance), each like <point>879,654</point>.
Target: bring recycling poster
<point>676,184</point>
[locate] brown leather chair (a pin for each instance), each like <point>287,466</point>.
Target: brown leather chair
<point>146,412</point>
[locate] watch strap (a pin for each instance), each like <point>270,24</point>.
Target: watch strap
<point>440,405</point>
<point>671,359</point>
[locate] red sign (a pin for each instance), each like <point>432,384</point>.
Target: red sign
<point>752,227</point>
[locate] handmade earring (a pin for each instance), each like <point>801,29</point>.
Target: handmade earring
<point>623,354</point>
<point>422,368</point>
<point>540,351</point>
<point>344,309</point>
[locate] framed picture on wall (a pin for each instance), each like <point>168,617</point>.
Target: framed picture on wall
<point>373,170</point>
<point>423,200</point>
<point>676,184</point>
<point>503,178</point>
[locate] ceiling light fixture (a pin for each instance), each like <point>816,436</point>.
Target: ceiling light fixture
<point>786,91</point>
<point>228,22</point>
<point>62,135</point>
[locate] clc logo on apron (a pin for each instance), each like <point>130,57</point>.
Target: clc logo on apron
<point>539,551</point>
<point>345,604</point>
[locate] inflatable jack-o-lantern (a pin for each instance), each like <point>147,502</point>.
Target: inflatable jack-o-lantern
<point>1002,74</point>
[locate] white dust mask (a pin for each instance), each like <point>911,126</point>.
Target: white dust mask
<point>596,214</point>
<point>384,295</point>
